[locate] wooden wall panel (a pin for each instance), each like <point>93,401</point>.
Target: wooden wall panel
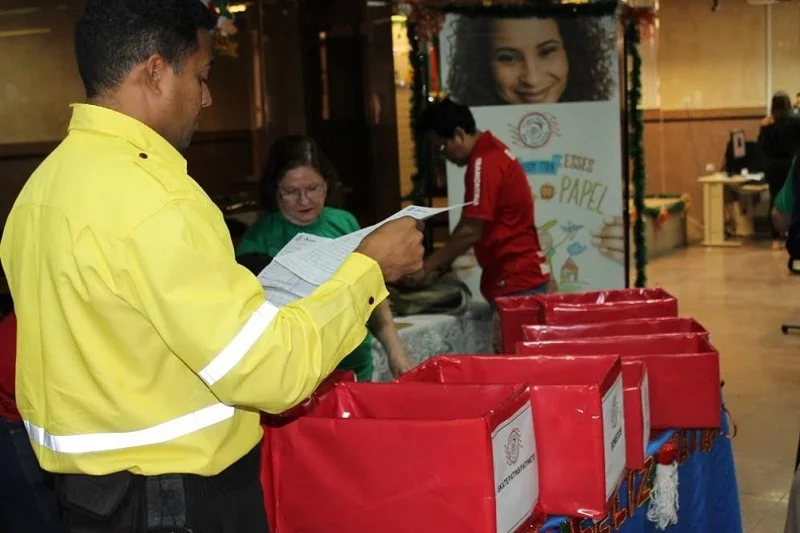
<point>405,139</point>
<point>679,145</point>
<point>219,162</point>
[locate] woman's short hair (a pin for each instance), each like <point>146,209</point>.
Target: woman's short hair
<point>294,151</point>
<point>589,47</point>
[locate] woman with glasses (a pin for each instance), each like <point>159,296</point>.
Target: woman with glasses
<point>298,189</point>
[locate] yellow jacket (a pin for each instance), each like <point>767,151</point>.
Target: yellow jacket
<point>142,344</point>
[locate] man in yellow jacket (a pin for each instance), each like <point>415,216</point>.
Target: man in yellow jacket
<point>145,353</point>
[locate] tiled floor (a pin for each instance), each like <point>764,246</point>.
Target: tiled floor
<point>742,295</point>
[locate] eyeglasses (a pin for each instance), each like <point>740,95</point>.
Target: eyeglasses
<point>313,193</point>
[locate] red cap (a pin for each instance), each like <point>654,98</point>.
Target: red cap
<point>667,454</point>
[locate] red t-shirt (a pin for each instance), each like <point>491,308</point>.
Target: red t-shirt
<point>8,358</point>
<point>509,252</point>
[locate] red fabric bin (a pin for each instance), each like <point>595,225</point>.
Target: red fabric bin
<point>575,308</point>
<point>683,373</point>
<point>606,296</point>
<point>578,412</point>
<point>634,326</point>
<point>511,314</point>
<point>566,314</point>
<point>400,457</point>
<point>637,413</point>
<point>268,422</point>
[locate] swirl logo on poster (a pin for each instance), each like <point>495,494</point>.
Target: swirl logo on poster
<point>548,88</point>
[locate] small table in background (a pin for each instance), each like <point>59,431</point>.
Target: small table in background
<point>714,207</point>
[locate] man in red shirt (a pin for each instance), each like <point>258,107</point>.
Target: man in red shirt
<point>499,222</point>
<point>27,497</point>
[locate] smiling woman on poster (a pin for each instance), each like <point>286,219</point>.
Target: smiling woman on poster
<point>530,60</point>
<point>548,87</point>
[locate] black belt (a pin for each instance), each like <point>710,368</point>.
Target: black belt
<point>128,502</point>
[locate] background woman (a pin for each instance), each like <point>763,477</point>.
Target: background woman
<point>298,191</point>
<point>779,138</point>
<point>531,60</point>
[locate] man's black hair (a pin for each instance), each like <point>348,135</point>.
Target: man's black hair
<point>443,117</point>
<point>113,36</point>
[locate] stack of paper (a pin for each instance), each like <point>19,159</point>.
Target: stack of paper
<point>309,261</point>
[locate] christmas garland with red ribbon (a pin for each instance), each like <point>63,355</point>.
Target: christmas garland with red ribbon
<point>225,28</point>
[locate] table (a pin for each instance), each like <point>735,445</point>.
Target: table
<point>708,495</point>
<point>427,335</point>
<point>714,207</point>
<point>663,234</point>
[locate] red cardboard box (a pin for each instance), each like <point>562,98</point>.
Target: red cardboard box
<point>634,326</point>
<point>682,368</point>
<point>637,413</point>
<point>512,313</point>
<point>578,411</point>
<point>269,422</point>
<point>400,457</point>
<point>566,314</point>
<point>607,296</point>
<point>574,308</point>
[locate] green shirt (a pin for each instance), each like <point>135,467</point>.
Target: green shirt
<point>784,202</point>
<point>271,232</point>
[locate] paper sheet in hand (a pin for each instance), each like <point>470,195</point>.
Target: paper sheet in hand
<point>277,276</point>
<point>309,261</point>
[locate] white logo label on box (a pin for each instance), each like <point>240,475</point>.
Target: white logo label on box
<point>516,471</point>
<point>646,410</point>
<point>614,435</point>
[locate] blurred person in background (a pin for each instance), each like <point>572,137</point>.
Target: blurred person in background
<point>779,139</point>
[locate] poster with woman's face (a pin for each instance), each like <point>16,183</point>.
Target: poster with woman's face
<point>548,88</point>
<point>497,61</point>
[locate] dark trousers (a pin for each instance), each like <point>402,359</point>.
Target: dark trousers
<point>777,173</point>
<point>230,502</point>
<point>27,496</point>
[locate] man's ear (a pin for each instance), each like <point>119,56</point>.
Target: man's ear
<point>459,134</point>
<point>155,70</point>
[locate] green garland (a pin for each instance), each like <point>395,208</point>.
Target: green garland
<point>636,148</point>
<point>222,41</point>
<point>423,161</point>
<point>678,207</point>
<point>224,9</point>
<point>532,8</point>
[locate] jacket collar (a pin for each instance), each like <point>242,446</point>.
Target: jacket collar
<point>97,119</point>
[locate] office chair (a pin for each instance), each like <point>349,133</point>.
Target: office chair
<point>785,328</point>
<point>741,154</point>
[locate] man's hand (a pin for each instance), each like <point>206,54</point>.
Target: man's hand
<point>396,247</point>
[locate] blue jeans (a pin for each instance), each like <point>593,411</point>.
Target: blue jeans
<point>27,497</point>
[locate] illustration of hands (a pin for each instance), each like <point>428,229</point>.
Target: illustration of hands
<point>609,239</point>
